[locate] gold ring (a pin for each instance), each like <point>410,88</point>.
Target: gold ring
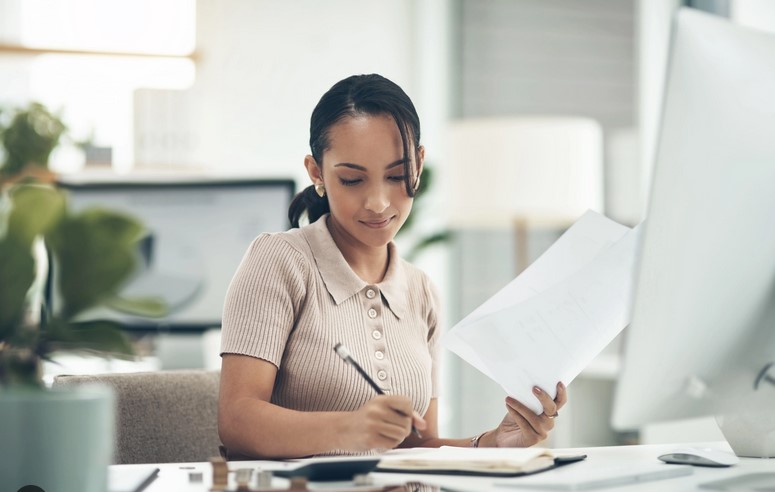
<point>556,414</point>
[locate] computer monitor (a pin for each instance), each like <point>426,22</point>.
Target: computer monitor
<point>702,337</point>
<point>198,230</point>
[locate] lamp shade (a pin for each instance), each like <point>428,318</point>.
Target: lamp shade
<point>502,169</point>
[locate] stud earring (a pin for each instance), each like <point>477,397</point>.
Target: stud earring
<point>320,189</point>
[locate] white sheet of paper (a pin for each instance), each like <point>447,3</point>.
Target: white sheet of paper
<point>553,319</point>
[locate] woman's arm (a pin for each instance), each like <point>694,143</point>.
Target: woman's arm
<point>249,424</point>
<point>519,428</point>
<point>430,436</point>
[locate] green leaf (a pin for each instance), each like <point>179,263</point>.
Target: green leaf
<point>30,137</point>
<point>35,210</point>
<point>426,180</point>
<point>427,241</point>
<point>17,272</point>
<point>150,307</point>
<point>95,253</point>
<point>101,336</point>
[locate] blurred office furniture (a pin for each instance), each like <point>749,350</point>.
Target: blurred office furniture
<point>161,417</point>
<point>516,184</point>
<point>74,364</point>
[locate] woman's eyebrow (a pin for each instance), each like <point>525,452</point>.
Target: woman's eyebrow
<point>362,168</point>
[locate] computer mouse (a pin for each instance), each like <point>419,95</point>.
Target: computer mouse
<point>700,457</point>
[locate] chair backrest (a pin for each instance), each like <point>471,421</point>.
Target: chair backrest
<point>162,417</point>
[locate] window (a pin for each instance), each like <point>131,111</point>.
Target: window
<point>85,60</point>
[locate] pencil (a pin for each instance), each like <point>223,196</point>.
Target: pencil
<point>344,354</point>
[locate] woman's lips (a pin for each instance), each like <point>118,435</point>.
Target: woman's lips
<point>377,224</point>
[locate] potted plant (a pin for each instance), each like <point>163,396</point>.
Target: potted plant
<point>29,135</point>
<point>58,440</point>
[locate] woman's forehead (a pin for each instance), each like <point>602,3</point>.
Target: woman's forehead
<point>367,136</point>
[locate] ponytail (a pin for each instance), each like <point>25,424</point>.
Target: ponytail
<point>307,202</point>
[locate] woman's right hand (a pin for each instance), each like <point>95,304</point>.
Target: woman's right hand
<point>383,422</point>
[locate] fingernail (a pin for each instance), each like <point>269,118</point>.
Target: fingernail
<point>419,422</point>
<point>537,390</point>
<point>561,385</point>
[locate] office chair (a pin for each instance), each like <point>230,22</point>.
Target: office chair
<point>161,417</point>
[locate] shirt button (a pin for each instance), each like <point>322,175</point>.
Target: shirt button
<point>370,294</point>
<point>382,375</point>
<point>376,334</point>
<point>379,355</point>
<point>372,313</point>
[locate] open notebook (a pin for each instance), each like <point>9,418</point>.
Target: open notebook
<point>503,462</point>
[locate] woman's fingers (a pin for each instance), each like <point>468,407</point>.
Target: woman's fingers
<point>418,421</point>
<point>562,395</point>
<point>540,425</point>
<point>397,415</point>
<point>402,411</point>
<point>550,407</point>
<point>531,427</point>
<point>525,419</point>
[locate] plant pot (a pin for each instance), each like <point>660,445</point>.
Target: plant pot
<point>58,440</point>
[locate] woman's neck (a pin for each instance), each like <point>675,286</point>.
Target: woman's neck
<point>369,263</point>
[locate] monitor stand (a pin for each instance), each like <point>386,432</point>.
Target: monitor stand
<point>750,427</point>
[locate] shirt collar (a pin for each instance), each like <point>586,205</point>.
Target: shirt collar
<point>342,282</point>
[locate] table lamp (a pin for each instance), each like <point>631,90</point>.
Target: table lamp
<point>519,172</point>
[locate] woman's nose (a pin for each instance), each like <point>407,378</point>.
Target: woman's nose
<point>377,200</point>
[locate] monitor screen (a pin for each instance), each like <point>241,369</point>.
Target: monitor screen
<point>703,327</point>
<point>197,231</point>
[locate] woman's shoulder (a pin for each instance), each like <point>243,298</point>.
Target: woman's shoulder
<point>417,277</point>
<point>413,272</point>
<point>273,245</point>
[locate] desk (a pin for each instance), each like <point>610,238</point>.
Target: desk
<point>174,476</point>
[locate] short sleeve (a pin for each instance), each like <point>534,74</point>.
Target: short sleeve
<point>263,300</point>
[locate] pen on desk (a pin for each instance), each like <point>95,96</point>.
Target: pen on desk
<point>344,354</point>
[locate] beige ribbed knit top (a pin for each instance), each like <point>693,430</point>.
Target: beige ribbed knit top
<point>294,297</point>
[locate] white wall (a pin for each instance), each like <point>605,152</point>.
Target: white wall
<point>759,14</point>
<point>265,63</point>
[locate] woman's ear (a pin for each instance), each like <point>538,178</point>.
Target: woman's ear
<point>314,171</point>
<point>420,162</point>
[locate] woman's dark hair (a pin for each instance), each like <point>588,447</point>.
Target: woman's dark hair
<point>356,95</point>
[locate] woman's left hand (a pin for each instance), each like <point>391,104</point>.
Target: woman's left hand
<point>521,427</point>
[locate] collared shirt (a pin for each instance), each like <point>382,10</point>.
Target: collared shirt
<point>294,297</point>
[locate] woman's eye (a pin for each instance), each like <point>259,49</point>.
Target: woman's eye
<point>349,182</point>
<point>397,178</point>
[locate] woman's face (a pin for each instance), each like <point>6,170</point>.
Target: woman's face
<point>364,177</point>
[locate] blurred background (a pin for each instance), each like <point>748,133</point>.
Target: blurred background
<point>532,112</point>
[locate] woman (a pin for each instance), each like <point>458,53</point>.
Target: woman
<point>284,392</point>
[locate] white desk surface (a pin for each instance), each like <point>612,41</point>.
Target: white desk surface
<point>175,476</point>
